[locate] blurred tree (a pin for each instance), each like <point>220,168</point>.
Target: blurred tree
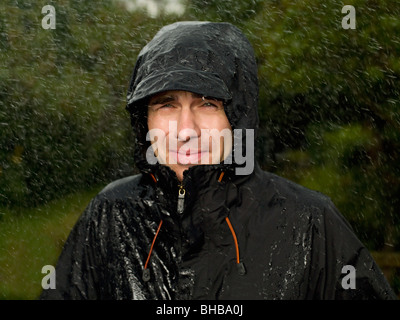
<point>62,96</point>
<point>233,11</point>
<point>339,93</point>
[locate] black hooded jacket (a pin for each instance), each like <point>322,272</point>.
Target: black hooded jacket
<point>251,236</point>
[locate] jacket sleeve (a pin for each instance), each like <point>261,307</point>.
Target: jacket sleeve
<point>76,274</point>
<point>348,270</point>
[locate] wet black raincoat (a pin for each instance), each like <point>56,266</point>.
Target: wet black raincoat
<point>217,234</point>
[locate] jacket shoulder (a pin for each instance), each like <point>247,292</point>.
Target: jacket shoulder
<point>302,204</point>
<point>121,188</point>
<point>299,201</point>
<point>294,192</point>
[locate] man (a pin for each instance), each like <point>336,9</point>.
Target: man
<point>202,220</point>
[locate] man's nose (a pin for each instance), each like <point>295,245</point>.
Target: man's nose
<point>187,125</point>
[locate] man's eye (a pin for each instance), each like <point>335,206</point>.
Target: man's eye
<point>166,106</point>
<point>209,104</point>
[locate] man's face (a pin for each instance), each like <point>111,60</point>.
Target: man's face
<point>194,130</point>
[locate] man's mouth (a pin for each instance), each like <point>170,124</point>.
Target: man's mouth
<point>187,156</point>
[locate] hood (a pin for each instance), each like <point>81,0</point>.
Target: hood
<point>211,59</point>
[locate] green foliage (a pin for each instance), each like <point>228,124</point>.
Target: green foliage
<point>62,97</point>
<point>329,105</point>
<point>236,12</point>
<point>31,238</point>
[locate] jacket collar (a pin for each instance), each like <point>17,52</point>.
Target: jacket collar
<point>195,179</point>
<point>198,181</point>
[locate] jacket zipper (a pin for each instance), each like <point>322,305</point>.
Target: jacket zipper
<point>180,209</point>
<point>181,199</point>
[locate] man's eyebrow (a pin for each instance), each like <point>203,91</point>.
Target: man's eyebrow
<point>196,96</point>
<point>201,96</point>
<point>162,99</point>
